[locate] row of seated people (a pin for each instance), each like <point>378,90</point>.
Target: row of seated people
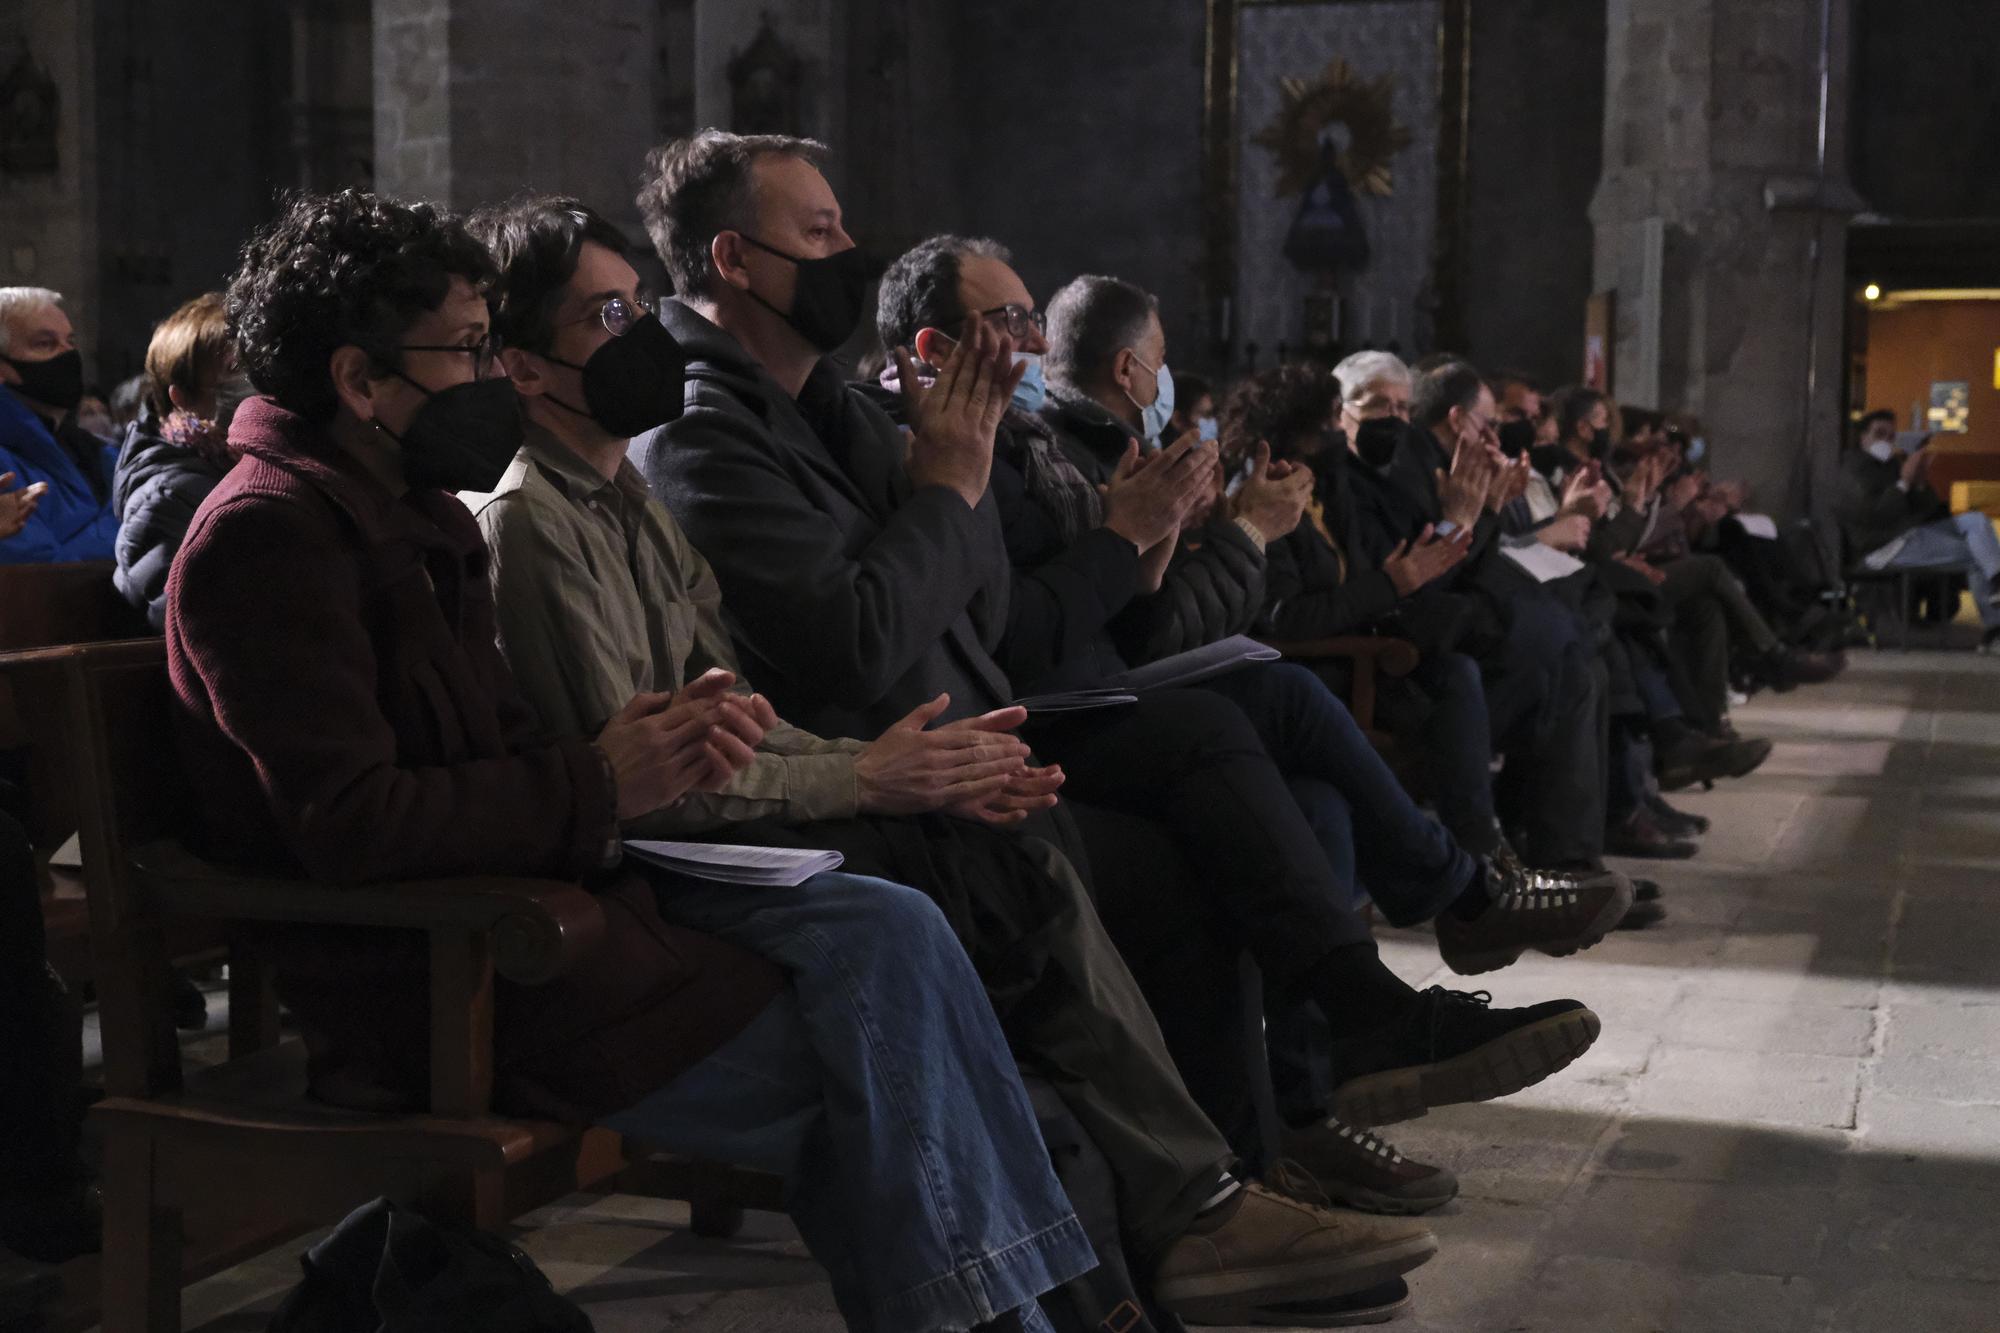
<point>377,680</point>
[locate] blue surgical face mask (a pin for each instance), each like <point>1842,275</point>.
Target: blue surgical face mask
<point>1697,449</point>
<point>1154,416</point>
<point>1208,428</point>
<point>1033,390</point>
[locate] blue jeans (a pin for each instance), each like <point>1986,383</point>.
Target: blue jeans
<point>879,1085</point>
<point>1965,541</point>
<point>1388,847</point>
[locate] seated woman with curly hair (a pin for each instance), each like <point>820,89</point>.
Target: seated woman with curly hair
<point>347,717</point>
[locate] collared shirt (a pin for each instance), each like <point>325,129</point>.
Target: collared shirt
<point>600,596</point>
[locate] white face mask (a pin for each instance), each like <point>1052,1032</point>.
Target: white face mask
<point>1880,450</point>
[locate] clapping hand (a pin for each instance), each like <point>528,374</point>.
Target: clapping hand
<point>1430,557</point>
<point>953,420</point>
<point>17,506</point>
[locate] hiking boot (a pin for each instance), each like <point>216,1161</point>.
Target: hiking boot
<point>1638,836</point>
<point>1454,1047</point>
<point>1675,823</point>
<point>1376,1305</point>
<point>1642,915</point>
<point>1258,1248</point>
<point>1331,1163</point>
<point>1555,912</point>
<point>1786,669</point>
<point>1698,758</point>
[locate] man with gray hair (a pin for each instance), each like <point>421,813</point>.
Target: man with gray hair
<point>55,477</point>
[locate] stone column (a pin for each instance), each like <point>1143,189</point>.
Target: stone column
<point>478,100</point>
<point>1725,245</point>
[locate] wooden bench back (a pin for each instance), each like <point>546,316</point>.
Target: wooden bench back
<point>130,790</point>
<point>45,605</point>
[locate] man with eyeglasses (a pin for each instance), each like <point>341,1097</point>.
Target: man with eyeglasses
<point>600,592</point>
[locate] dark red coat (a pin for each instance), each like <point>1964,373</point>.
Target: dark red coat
<point>347,715</point>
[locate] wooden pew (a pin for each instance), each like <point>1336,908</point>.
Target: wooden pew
<point>201,1171</point>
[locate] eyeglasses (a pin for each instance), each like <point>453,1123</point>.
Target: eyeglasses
<point>1017,319</point>
<point>618,315</point>
<point>482,352</point>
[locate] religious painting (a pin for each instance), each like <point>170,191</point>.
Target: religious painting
<point>1335,164</point>
<point>765,82</point>
<point>28,102</point>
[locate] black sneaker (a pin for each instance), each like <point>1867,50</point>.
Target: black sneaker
<point>1645,890</point>
<point>1330,1163</point>
<point>1454,1047</point>
<point>1675,822</point>
<point>1642,915</point>
<point>1555,912</point>
<point>1638,835</point>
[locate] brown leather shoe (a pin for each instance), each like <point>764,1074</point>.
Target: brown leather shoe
<point>1259,1249</point>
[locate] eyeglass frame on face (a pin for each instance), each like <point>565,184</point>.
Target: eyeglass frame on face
<point>485,353</point>
<point>603,315</point>
<point>1018,319</point>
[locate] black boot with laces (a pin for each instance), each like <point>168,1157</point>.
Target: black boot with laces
<point>1453,1046</point>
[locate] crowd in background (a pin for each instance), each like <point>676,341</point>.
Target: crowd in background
<point>473,557</point>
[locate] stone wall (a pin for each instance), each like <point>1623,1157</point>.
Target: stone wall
<point>1728,306</point>
<point>475,102</point>
<point>48,223</point>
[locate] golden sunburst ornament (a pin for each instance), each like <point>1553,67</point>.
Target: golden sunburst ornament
<point>1338,96</point>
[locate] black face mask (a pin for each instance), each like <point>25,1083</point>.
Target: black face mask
<point>1376,439</point>
<point>830,296</point>
<point>462,438</point>
<point>634,382</point>
<point>57,381</point>
<point>1600,444</point>
<point>1517,437</point>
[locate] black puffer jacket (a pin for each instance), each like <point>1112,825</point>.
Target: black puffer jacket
<point>156,489</point>
<point>1215,585</point>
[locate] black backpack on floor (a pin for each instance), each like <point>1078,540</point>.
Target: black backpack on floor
<point>387,1269</point>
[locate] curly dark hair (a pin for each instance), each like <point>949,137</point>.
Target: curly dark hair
<point>1281,406</point>
<point>334,270</point>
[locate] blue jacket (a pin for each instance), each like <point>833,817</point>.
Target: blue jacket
<point>75,520</point>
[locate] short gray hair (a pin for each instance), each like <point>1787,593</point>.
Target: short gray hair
<point>1362,370</point>
<point>1089,320</point>
<point>19,300</point>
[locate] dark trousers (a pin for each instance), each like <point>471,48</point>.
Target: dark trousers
<point>1185,957</point>
<point>1086,1029</point>
<point>1404,860</point>
<point>41,1042</point>
<point>1548,695</point>
<point>1192,760</point>
<point>1442,706</point>
<point>1710,612</point>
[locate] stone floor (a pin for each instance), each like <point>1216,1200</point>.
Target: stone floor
<point>1790,1125</point>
